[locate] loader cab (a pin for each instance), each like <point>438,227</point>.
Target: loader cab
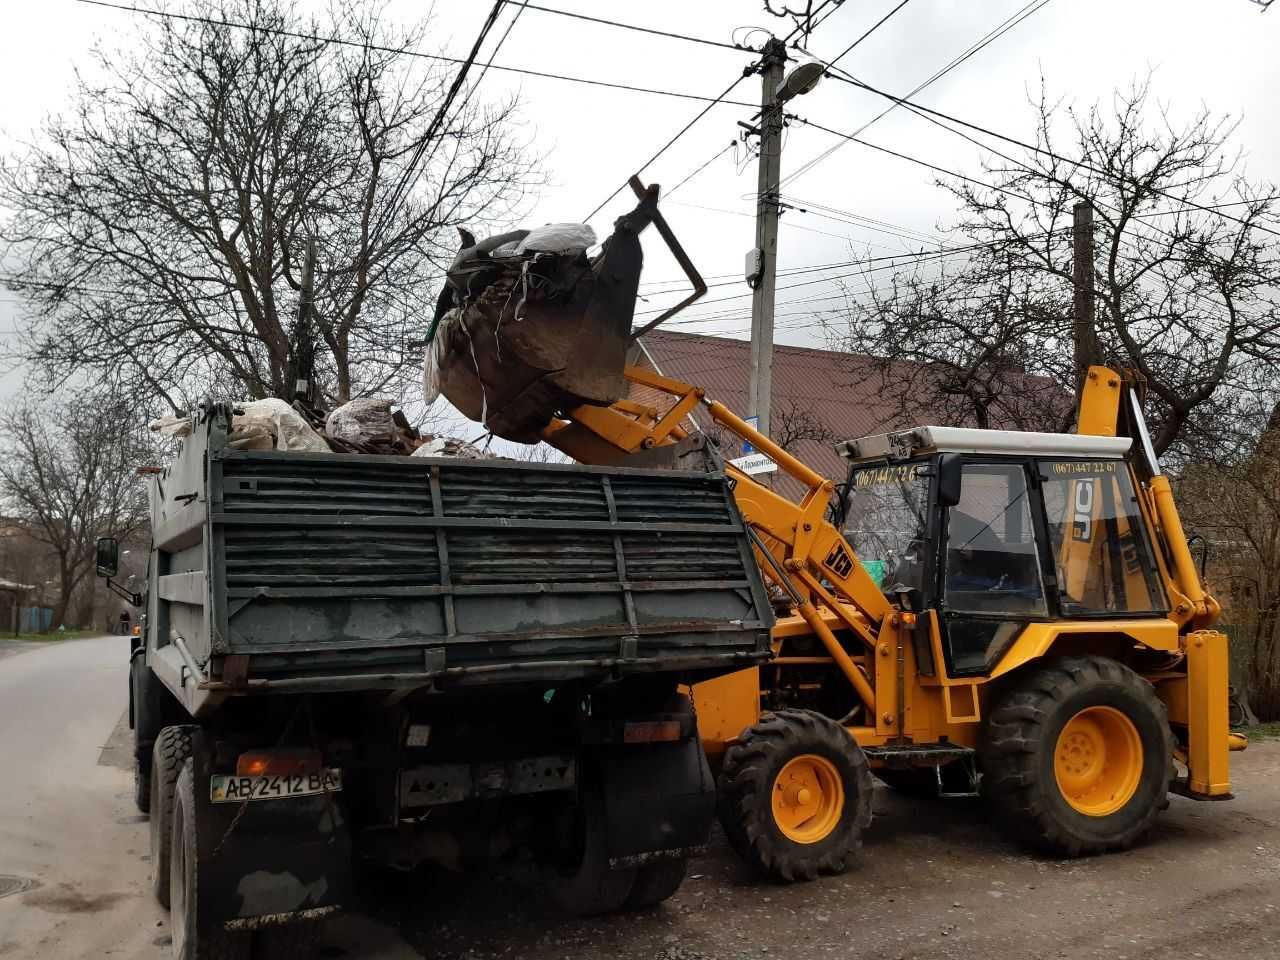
<point>995,530</point>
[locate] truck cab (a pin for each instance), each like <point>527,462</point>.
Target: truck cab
<point>998,530</point>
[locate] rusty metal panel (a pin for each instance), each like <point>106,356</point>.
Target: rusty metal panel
<point>357,566</point>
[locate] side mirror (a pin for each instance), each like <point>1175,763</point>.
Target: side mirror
<point>108,561</point>
<point>949,474</point>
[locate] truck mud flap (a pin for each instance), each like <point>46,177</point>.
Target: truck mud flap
<point>267,862</point>
<point>659,801</point>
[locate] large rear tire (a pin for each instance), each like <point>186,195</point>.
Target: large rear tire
<point>582,884</point>
<point>190,941</point>
<point>656,882</point>
<point>795,795</point>
<point>1077,757</point>
<point>173,747</point>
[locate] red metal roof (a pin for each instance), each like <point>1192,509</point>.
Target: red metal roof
<point>832,388</point>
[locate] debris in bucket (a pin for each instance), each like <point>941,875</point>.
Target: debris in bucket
<point>529,325</point>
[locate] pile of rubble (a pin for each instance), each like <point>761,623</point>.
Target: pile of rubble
<point>369,425</point>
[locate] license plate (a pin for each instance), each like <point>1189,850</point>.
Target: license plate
<point>229,789</point>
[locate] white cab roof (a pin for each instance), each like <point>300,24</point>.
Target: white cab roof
<point>909,443</point>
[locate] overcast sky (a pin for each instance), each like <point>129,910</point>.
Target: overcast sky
<point>1219,53</point>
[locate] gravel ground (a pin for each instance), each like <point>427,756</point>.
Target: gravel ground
<point>937,879</point>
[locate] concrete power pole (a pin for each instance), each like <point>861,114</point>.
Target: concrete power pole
<point>1087,351</point>
<point>766,248</point>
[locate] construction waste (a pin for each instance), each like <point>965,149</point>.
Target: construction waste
<point>529,325</point>
<point>369,425</point>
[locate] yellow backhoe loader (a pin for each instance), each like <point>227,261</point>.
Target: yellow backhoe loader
<point>974,611</point>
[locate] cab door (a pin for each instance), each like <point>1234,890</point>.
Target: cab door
<point>991,577</point>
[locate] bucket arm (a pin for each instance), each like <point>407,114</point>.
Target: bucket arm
<point>800,551</point>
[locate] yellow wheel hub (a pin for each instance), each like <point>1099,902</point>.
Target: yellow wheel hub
<point>808,798</point>
<point>1098,761</point>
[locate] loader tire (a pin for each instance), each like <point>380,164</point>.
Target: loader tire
<point>795,795</point>
<point>583,884</point>
<point>173,747</point>
<point>193,939</point>
<point>1077,757</point>
<point>656,882</point>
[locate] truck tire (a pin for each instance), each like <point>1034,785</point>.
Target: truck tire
<point>293,941</point>
<point>1077,756</point>
<point>795,795</point>
<point>189,941</point>
<point>586,886</point>
<point>173,747</point>
<point>151,708</point>
<point>656,882</point>
<point>142,742</point>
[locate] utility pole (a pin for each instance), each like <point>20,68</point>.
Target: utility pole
<point>1087,351</point>
<point>766,248</point>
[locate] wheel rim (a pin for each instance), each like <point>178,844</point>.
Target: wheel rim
<point>808,798</point>
<point>1098,761</point>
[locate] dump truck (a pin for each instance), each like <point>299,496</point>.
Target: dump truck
<point>992,613</point>
<point>417,659</point>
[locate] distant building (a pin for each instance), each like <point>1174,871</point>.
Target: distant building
<point>819,396</point>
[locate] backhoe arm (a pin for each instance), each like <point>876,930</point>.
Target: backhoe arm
<point>800,551</point>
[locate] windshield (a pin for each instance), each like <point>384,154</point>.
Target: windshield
<point>885,515</point>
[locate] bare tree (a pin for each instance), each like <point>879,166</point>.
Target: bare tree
<point>161,227</point>
<point>1236,507</point>
<point>977,347</point>
<point>792,422</point>
<point>1185,275</point>
<point>68,474</point>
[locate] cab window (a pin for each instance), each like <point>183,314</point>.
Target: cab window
<point>992,582</point>
<point>1097,539</point>
<point>884,518</point>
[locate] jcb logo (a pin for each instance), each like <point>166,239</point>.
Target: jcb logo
<point>1082,521</point>
<point>838,561</point>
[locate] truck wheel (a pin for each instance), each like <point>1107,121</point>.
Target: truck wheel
<point>1077,756</point>
<point>172,749</point>
<point>656,882</point>
<point>189,943</point>
<point>585,886</point>
<point>143,738</point>
<point>795,795</point>
<point>293,941</point>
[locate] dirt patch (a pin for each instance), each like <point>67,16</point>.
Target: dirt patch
<point>64,898</point>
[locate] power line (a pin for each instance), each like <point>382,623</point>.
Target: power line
<point>1045,151</point>
<point>639,29</point>
<point>716,156</point>
<point>679,133</point>
<point>438,57</point>
<point>990,37</point>
<point>874,27</point>
<point>908,158</point>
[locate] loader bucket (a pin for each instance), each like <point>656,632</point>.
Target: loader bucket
<point>549,334</point>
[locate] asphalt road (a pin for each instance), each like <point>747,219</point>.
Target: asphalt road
<point>937,880</point>
<point>68,825</point>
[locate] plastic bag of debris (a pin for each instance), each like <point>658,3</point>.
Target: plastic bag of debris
<point>360,420</point>
<point>452,447</point>
<point>254,423</point>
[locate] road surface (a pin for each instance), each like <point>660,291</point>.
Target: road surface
<point>938,880</point>
<point>68,825</point>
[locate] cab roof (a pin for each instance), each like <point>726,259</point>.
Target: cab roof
<point>926,440</point>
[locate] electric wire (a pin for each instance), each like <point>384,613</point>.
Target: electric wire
<point>982,43</point>
<point>1045,151</point>
<point>639,29</point>
<point>441,58</point>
